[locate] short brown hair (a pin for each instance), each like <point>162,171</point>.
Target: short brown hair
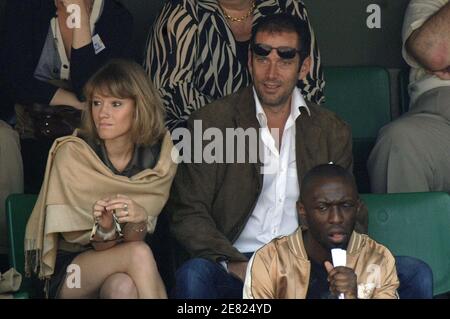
<point>127,80</point>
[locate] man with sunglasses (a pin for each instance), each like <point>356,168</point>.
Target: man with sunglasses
<point>197,52</point>
<point>222,212</point>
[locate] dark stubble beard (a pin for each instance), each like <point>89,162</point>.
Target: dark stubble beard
<point>281,101</point>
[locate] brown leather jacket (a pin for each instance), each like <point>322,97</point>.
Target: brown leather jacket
<point>210,203</point>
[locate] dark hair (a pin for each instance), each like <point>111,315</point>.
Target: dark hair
<point>325,171</point>
<point>283,22</point>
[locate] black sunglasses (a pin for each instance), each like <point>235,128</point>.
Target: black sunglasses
<point>283,52</point>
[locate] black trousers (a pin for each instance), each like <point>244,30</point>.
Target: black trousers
<point>34,156</point>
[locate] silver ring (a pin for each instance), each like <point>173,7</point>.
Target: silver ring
<point>125,207</point>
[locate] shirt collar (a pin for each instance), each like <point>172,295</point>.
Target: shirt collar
<point>297,102</point>
<point>296,244</point>
<point>132,164</point>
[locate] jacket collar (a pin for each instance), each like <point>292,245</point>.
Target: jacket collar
<point>245,110</point>
<point>297,103</point>
<point>297,246</point>
<point>307,141</point>
<point>307,131</point>
<point>245,118</point>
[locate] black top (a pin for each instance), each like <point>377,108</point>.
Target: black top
<point>318,284</point>
<point>27,25</point>
<point>144,157</point>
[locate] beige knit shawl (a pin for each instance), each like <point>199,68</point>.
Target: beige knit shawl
<point>75,178</point>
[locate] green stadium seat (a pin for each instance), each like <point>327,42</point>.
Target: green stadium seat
<point>417,225</point>
<point>18,210</point>
<point>360,96</point>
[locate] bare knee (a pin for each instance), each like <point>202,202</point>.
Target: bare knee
<point>118,286</point>
<point>140,254</point>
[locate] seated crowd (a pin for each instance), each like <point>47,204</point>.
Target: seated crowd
<point>258,219</point>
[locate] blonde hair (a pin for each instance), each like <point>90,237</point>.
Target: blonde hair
<point>127,80</point>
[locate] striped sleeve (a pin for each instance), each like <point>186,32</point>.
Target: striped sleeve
<point>170,62</point>
<point>313,84</point>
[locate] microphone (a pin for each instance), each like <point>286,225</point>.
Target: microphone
<point>339,257</point>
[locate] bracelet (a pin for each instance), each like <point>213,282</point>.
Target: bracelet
<point>108,235</point>
<point>105,236</point>
<point>139,228</point>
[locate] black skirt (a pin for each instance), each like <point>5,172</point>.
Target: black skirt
<point>63,260</point>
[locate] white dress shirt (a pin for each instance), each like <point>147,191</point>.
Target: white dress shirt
<point>275,213</point>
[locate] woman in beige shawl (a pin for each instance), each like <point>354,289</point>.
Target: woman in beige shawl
<point>104,187</point>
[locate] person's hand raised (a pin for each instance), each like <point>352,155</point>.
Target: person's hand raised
<point>102,216</point>
<point>127,210</point>
<point>342,280</point>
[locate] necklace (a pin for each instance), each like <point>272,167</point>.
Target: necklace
<point>233,19</point>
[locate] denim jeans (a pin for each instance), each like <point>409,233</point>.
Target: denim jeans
<point>200,278</point>
<point>416,278</point>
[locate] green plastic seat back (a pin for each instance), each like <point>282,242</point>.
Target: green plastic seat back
<point>361,97</point>
<point>18,210</point>
<point>417,225</point>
